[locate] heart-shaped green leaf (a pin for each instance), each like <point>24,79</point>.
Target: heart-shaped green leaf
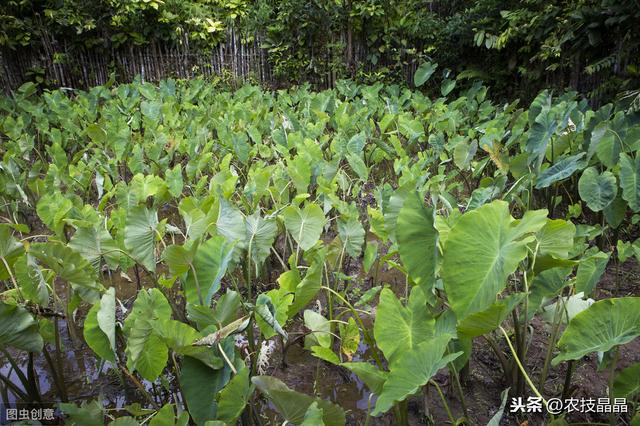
<point>483,248</point>
<point>597,190</point>
<point>604,325</point>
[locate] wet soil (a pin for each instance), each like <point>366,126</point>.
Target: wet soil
<point>482,386</point>
<point>484,383</point>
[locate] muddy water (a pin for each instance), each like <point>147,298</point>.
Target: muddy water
<point>87,378</point>
<point>84,378</point>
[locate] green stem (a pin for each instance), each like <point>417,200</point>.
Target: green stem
<point>456,378</point>
<point>329,297</point>
<point>612,374</point>
<point>522,370</point>
<point>496,349</point>
<point>566,387</point>
<point>19,373</point>
<point>550,345</point>
<point>14,388</point>
<point>367,336</point>
<point>13,279</point>
<point>444,402</point>
<point>57,376</point>
<point>31,377</point>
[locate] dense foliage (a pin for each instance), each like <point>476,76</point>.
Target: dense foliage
<point>239,216</point>
<point>518,47</point>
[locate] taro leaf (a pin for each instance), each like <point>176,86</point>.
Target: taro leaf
<point>356,143</point>
<point>479,323</point>
<point>269,314</point>
<point>368,296</point>
<point>415,367</point>
<point>179,259</point>
<point>398,329</point>
<point>307,289</point>
<point>96,134</point>
<point>615,212</point>
<point>597,190</point>
<point>482,196</point>
<point>495,420</point>
<point>289,280</point>
<point>95,337</point>
<point>349,338</point>
<point>542,127</point>
<point>146,351</point>
<point>540,133</point>
<point>483,248</point>
<point>447,86</point>
<point>547,262</point>
<point>197,220</point>
<point>124,421</point>
<point>627,382</point>
<point>556,238</point>
<point>94,244</point>
<point>90,413</point>
<point>226,307</point>
<point>590,270</point>
<point>106,316</point>
<point>10,249</point>
<point>630,180</point>
<point>52,209</point>
<point>180,337</point>
<point>547,284</point>
<point>165,417</point>
<point>624,250</point>
<point>140,236</point>
<point>370,255</point>
<point>358,165</point>
<point>373,377</point>
<point>230,224</point>
<point>352,235</point>
<point>281,300</point>
<point>391,210</point>
<point>201,315</point>
<point>313,416</point>
<point>304,225</point>
<point>151,110</point>
<point>463,153</point>
<point>606,144</point>
<point>410,128</point>
<point>69,266</point>
<point>210,264</point>
<point>261,234</point>
<point>31,281</point>
<point>320,330</point>
<point>200,386</point>
<point>293,405</point>
<point>299,171</point>
<point>560,170</point>
<point>234,397</point>
<point>142,187</point>
<point>604,325</point>
<point>423,73</point>
<point>541,103</point>
<point>417,241</point>
<point>174,180</point>
<point>18,329</point>
<point>325,354</point>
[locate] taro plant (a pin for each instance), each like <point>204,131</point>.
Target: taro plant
<point>189,237</point>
